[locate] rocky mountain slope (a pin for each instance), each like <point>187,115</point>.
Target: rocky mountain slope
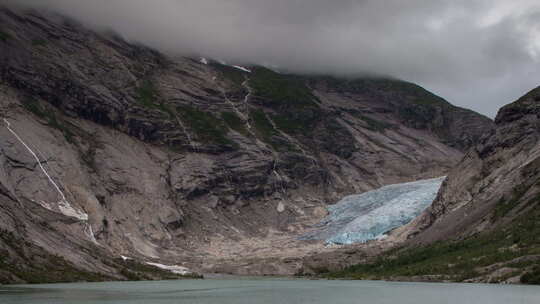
<point>484,225</point>
<point>497,180</point>
<point>110,149</point>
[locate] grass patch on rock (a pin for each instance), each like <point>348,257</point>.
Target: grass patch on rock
<point>235,75</point>
<point>262,125</point>
<point>503,206</point>
<point>532,277</point>
<point>458,260</point>
<point>295,108</point>
<point>148,97</point>
<point>208,128</point>
<point>281,90</point>
<point>235,122</point>
<point>32,264</point>
<point>49,116</point>
<point>376,125</point>
<point>39,42</point>
<point>4,37</point>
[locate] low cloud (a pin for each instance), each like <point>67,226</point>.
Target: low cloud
<point>479,54</point>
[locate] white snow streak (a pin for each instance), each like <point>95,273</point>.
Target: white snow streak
<point>90,233</point>
<point>173,268</point>
<point>63,205</point>
<point>8,125</point>
<point>125,258</point>
<point>245,84</point>
<point>241,68</point>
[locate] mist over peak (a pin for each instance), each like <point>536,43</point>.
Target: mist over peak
<point>477,54</point>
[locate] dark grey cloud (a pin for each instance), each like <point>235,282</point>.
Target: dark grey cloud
<point>478,54</point>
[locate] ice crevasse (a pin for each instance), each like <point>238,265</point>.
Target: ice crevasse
<point>367,216</point>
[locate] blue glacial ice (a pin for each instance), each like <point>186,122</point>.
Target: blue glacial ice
<point>368,216</point>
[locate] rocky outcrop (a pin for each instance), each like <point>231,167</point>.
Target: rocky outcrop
<point>496,182</point>
<point>109,148</point>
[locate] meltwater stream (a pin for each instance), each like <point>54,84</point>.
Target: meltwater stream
<point>367,216</point>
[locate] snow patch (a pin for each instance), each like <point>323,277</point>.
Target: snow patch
<point>204,61</point>
<point>125,258</point>
<point>63,205</point>
<point>68,210</point>
<point>368,216</point>
<point>172,268</point>
<point>90,233</point>
<point>241,68</point>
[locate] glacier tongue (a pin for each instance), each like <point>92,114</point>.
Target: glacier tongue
<point>368,216</point>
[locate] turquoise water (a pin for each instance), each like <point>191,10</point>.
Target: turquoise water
<point>260,291</point>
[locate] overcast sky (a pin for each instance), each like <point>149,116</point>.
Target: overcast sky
<point>479,54</point>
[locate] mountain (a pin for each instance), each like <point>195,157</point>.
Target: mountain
<point>496,182</point>
<point>484,224</point>
<point>113,155</point>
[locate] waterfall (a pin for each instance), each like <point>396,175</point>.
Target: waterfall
<point>63,205</point>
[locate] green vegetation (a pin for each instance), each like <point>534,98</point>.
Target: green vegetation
<point>265,130</point>
<point>34,265</point>
<point>235,122</point>
<point>4,36</point>
<point>284,91</point>
<point>376,125</point>
<point>521,102</point>
<point>532,277</point>
<point>336,139</point>
<point>503,206</point>
<point>423,115</point>
<point>412,103</point>
<point>233,74</point>
<point>419,105</point>
<point>34,107</point>
<point>296,110</point>
<point>148,96</point>
<point>263,126</point>
<point>415,93</point>
<point>39,42</point>
<point>206,126</point>
<point>301,122</point>
<point>88,154</point>
<point>372,124</point>
<point>459,260</point>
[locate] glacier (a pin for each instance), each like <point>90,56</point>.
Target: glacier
<point>370,215</point>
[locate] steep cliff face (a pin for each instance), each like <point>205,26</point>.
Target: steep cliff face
<point>109,148</point>
<point>495,184</point>
<point>484,225</point>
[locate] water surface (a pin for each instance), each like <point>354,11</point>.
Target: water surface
<point>265,291</point>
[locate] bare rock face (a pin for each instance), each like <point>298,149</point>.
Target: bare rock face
<point>496,181</point>
<point>109,148</point>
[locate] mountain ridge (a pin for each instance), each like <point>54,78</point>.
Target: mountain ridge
<point>483,225</point>
<point>183,163</point>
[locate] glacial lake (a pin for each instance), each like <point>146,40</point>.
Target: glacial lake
<point>264,291</point>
